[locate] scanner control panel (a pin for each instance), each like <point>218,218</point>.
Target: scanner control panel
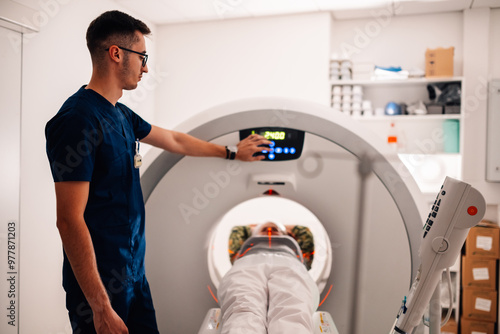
<point>286,144</point>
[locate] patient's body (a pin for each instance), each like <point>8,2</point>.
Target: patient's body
<point>268,289</point>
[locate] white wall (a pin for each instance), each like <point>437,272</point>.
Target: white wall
<point>210,63</point>
<point>399,40</point>
<point>56,63</point>
<point>495,43</point>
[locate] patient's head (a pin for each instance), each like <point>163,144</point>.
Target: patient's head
<point>269,228</point>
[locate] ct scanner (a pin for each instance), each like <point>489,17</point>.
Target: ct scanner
<point>188,202</point>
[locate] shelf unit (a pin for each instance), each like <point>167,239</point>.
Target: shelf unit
<point>423,143</point>
<point>407,117</point>
<point>408,81</point>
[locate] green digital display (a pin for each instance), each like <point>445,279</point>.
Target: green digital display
<point>272,135</point>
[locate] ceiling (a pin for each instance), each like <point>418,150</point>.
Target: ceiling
<point>183,11</point>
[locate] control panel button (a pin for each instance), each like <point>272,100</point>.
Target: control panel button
<point>472,210</point>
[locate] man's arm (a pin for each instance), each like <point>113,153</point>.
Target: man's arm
<point>71,200</point>
<point>181,143</point>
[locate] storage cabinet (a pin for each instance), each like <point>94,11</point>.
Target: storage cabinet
<point>430,145</point>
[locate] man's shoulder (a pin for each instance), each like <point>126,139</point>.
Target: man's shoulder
<point>79,102</point>
<point>77,109</point>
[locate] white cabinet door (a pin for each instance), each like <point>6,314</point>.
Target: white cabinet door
<point>10,131</point>
<point>493,138</point>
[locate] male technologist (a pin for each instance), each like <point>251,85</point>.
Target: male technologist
<point>93,150</point>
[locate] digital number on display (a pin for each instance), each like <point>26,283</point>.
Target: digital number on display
<point>273,135</point>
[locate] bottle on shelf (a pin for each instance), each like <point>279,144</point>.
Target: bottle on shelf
<point>396,138</point>
<point>392,137</point>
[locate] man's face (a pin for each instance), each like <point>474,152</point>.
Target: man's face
<point>132,69</point>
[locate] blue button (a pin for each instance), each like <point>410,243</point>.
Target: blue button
<point>285,150</point>
<point>272,144</point>
<point>264,151</point>
<point>271,150</point>
<point>292,150</point>
<point>271,156</point>
<point>278,150</point>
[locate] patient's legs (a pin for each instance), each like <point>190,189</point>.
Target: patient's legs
<point>293,297</point>
<point>243,296</point>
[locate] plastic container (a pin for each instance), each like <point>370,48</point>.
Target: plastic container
<point>451,132</point>
<point>337,90</point>
<point>392,108</point>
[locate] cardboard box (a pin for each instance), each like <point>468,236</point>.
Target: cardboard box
<point>483,241</point>
<point>451,327</point>
<point>479,305</point>
<point>476,327</point>
<point>439,62</point>
<point>479,273</point>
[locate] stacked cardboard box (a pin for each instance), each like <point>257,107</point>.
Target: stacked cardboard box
<point>479,280</point>
<point>439,62</point>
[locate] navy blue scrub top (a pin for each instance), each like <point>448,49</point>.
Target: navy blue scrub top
<point>89,139</point>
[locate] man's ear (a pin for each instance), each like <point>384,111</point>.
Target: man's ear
<point>114,53</point>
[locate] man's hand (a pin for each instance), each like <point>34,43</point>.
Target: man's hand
<point>108,322</point>
<point>249,146</point>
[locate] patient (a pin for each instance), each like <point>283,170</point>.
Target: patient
<point>268,289</point>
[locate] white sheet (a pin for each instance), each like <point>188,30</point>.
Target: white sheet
<point>268,293</point>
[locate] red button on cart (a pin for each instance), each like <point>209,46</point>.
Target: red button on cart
<point>472,210</point>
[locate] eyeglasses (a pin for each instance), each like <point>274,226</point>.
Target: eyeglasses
<point>144,55</point>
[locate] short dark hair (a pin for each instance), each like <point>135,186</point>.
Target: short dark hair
<point>113,27</point>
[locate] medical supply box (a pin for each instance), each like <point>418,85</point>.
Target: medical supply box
<point>480,279</point>
<point>479,305</point>
<point>468,326</point>
<point>483,241</point>
<point>439,62</point>
<point>479,273</point>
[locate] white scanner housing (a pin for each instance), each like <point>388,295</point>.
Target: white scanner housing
<point>185,203</point>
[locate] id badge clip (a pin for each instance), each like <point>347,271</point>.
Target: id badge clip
<point>137,156</point>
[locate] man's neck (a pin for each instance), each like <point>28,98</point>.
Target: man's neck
<point>106,88</point>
